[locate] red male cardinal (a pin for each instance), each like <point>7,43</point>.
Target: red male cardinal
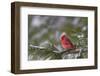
<point>66,42</point>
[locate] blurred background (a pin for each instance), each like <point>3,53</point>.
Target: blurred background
<point>44,33</point>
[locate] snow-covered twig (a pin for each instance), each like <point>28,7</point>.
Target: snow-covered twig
<point>32,46</point>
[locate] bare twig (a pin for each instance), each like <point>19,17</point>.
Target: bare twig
<point>71,51</point>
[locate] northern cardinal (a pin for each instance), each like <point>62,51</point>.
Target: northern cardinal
<point>66,42</point>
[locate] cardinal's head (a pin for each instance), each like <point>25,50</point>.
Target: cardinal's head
<point>66,42</point>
